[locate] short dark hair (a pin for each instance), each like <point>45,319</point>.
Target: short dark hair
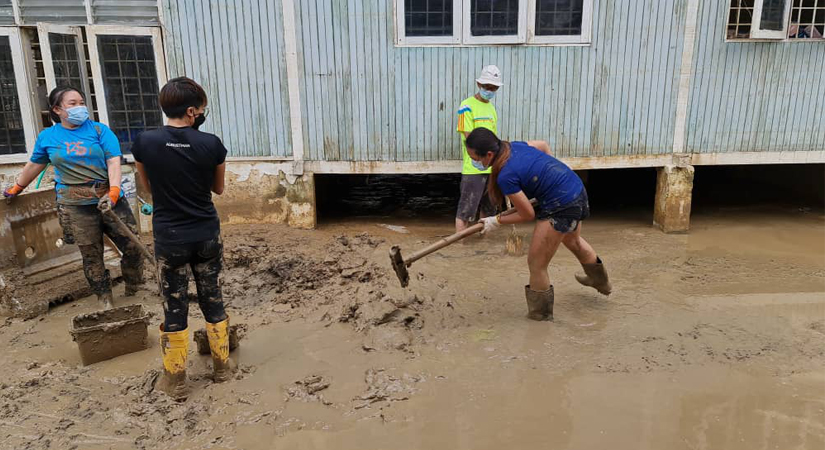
<point>179,94</point>
<point>56,99</point>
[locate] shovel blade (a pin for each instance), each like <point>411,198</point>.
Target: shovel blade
<point>399,266</point>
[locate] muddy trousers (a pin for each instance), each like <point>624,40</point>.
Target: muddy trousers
<point>205,259</point>
<point>88,225</point>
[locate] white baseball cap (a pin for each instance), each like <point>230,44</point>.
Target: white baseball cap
<point>490,75</point>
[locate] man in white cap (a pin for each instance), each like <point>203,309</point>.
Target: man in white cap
<point>476,112</point>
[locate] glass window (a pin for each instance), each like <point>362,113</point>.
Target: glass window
<point>494,17</point>
<point>559,17</point>
<point>807,19</point>
<point>740,18</point>
<point>773,13</point>
<point>65,60</point>
<point>12,136</point>
<point>131,99</point>
<point>428,17</point>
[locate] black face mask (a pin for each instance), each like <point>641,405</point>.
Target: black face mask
<point>199,120</point>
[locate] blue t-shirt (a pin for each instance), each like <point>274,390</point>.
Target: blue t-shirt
<point>540,176</point>
<point>79,159</point>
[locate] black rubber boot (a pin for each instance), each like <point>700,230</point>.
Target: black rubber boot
<point>539,303</point>
<point>102,287</point>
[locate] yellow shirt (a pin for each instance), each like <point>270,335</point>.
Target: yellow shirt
<point>472,114</point>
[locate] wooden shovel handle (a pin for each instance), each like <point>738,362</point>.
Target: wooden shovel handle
<point>453,238</point>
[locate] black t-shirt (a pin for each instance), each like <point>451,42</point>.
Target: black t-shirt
<point>180,164</point>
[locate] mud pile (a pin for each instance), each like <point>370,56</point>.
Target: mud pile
<point>142,416</point>
<point>347,282</point>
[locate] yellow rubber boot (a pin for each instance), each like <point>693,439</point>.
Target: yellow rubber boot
<point>218,335</point>
<point>175,348</point>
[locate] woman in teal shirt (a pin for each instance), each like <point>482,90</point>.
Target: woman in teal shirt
<point>86,159</point>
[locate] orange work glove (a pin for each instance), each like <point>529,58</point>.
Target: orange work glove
<point>114,194</point>
<point>13,191</point>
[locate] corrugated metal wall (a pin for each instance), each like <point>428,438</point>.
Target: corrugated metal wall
<point>235,50</point>
<point>364,99</point>
<point>754,96</point>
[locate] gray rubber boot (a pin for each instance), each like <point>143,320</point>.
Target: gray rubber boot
<point>105,300</point>
<point>539,303</point>
<point>595,276</point>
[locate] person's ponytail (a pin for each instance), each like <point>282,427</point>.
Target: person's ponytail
<point>501,158</point>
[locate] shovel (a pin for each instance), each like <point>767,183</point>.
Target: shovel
<point>106,209</point>
<point>400,265</point>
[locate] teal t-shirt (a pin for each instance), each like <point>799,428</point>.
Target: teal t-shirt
<point>79,159</point>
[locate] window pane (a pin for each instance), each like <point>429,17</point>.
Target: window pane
<point>807,19</point>
<point>132,101</point>
<point>428,17</point>
<point>772,14</point>
<point>65,60</point>
<point>494,17</point>
<point>12,137</point>
<point>559,17</point>
<point>740,19</point>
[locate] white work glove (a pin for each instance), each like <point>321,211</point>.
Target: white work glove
<point>490,224</point>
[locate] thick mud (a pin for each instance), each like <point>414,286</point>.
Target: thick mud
<point>714,339</point>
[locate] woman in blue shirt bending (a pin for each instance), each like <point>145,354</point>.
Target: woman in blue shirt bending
<point>86,159</point>
<point>522,171</point>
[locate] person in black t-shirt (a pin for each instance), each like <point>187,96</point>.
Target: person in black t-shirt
<point>183,167</point>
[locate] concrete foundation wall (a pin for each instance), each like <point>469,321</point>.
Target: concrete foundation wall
<point>256,192</point>
<point>266,193</point>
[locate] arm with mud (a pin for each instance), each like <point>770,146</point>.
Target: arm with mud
<point>29,173</point>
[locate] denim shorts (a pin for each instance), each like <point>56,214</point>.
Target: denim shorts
<point>566,218</point>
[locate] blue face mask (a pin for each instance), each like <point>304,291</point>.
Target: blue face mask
<point>485,94</point>
<point>479,165</point>
<point>77,115</point>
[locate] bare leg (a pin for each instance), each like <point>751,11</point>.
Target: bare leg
<point>545,242</point>
<point>580,247</point>
<point>460,225</point>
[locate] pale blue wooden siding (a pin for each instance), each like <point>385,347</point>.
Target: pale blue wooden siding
<point>765,96</point>
<point>362,98</point>
<point>235,50</point>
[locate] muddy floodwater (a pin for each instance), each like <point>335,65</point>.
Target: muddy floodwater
<point>712,340</point>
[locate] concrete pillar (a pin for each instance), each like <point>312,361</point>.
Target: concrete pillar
<point>674,185</point>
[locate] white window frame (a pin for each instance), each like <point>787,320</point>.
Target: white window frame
<point>93,31</point>
<point>25,93</point>
<point>43,30</point>
<point>758,33</point>
<point>583,38</point>
<point>462,35</point>
<point>519,38</point>
<point>401,28</point>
